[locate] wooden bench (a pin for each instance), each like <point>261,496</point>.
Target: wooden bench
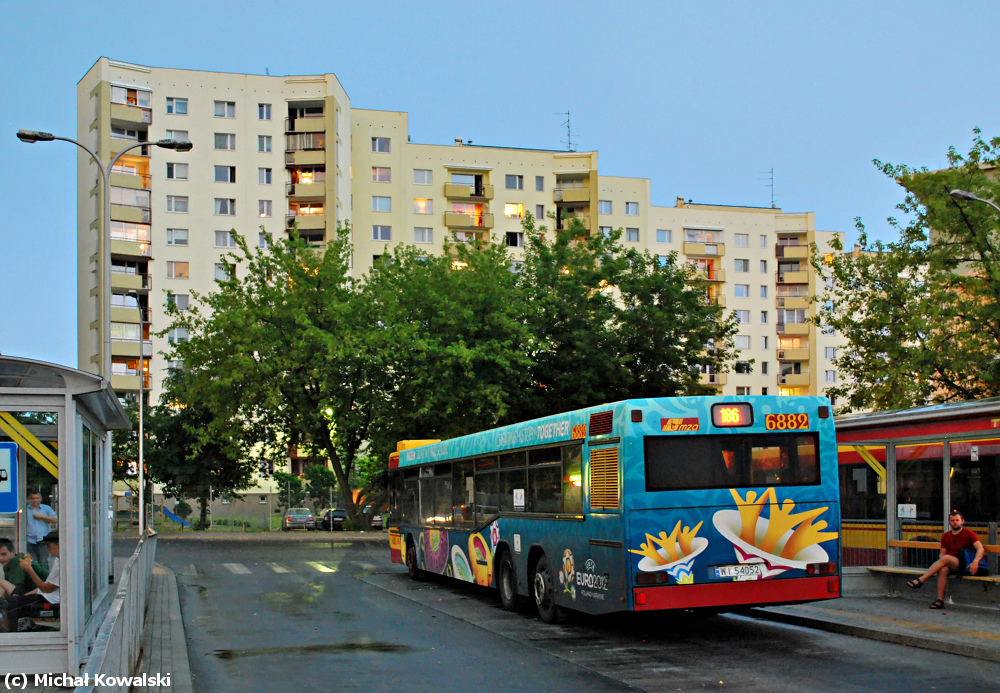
<point>934,545</point>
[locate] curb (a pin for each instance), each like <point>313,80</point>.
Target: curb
<point>962,649</point>
<point>266,536</point>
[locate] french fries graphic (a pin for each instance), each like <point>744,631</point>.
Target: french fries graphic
<point>804,531</point>
<point>676,545</point>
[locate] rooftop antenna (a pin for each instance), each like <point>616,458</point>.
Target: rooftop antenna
<point>267,72</point>
<point>570,145</point>
<point>770,184</point>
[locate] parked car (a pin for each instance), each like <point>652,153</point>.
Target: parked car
<point>374,517</point>
<point>333,519</point>
<point>298,518</point>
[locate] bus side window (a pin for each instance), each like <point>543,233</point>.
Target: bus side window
<point>572,479</point>
<point>513,476</point>
<point>425,496</point>
<point>462,497</point>
<point>408,499</point>
<point>442,494</point>
<point>487,491</point>
<point>545,480</point>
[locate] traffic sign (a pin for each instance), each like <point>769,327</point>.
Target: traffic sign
<point>8,478</point>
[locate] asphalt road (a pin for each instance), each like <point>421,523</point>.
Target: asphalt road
<point>322,616</point>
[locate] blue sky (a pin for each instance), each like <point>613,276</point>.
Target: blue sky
<point>702,98</point>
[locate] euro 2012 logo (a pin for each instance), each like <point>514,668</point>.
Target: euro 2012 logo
<point>567,574</point>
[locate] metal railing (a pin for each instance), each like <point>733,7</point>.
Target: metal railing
<point>117,645</point>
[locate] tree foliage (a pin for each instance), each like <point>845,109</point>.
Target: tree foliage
<point>921,314</point>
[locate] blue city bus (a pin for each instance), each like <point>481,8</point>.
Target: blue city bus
<point>668,503</point>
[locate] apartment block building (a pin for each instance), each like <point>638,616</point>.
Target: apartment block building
<point>273,152</point>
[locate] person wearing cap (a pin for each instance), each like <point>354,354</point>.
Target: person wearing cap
<point>48,587</point>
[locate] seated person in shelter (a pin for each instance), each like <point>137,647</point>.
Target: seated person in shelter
<point>47,587</point>
<point>13,572</point>
<point>952,562</point>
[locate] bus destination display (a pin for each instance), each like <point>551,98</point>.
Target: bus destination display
<point>726,415</point>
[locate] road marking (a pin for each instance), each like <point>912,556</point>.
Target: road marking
<point>321,567</point>
<point>236,568</point>
<point>278,568</point>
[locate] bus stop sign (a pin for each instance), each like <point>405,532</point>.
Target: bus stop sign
<point>8,477</point>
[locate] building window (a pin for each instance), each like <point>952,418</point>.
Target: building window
<point>381,204</point>
<point>225,207</point>
<point>264,208</point>
<point>262,241</point>
<point>124,134</point>
<point>264,176</point>
<point>539,211</point>
<point>763,367</point>
<point>742,391</point>
<point>831,353</point>
<point>539,182</point>
<point>177,335</point>
<point>174,135</point>
<point>632,235</point>
<point>742,290</point>
<point>763,342</point>
<point>131,97</point>
<point>662,260</point>
<point>515,239</point>
<point>423,234</point>
<point>263,111</point>
<point>763,266</point>
<point>225,174</point>
<point>513,182</point>
<point>181,302</point>
<point>742,316</point>
<point>263,143</point>
<point>830,376</point>
<point>224,239</point>
<point>225,109</point>
<point>177,106</point>
<point>177,171</point>
<point>513,210</point>
<point>763,391</point>
<point>381,174</point>
<point>763,291</point>
<point>828,329</point>
<point>381,233</point>
<point>632,209</point>
<point>664,236</point>
<point>224,271</point>
<point>421,205</point>
<point>225,140</point>
<point>605,231</point>
<point>604,206</point>
<point>177,203</point>
<point>177,236</point>
<point>741,265</point>
<point>763,317</point>
<point>423,176</point>
<point>741,240</point>
<point>380,145</point>
<point>177,270</point>
<point>763,241</point>
<point>741,341</point>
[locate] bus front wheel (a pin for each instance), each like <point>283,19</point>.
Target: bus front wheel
<point>544,594</point>
<point>411,561</point>
<point>508,583</point>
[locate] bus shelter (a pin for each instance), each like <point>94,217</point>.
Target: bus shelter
<point>55,446</point>
<point>902,473</point>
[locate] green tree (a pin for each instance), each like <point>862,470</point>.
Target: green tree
<point>921,314</point>
<point>291,493</point>
<point>286,347</point>
<point>322,486</point>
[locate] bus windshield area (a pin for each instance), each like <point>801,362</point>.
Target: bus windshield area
<point>683,463</point>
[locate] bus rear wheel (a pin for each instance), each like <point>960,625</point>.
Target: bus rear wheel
<point>507,579</point>
<point>543,592</point>
<point>411,561</point>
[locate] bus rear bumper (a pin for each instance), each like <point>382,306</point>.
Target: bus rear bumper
<point>721,594</point>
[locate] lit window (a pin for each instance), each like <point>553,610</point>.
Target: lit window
<point>380,145</point>
<point>225,140</point>
<point>263,111</point>
<point>423,206</point>
<point>741,265</point>
<point>177,106</point>
<point>513,210</point>
<point>423,176</point>
<point>264,176</point>
<point>263,143</point>
<point>423,234</point>
<point>177,171</point>
<point>514,182</point>
<point>742,290</point>
<point>381,233</point>
<point>225,207</point>
<point>632,235</point>
<point>130,97</point>
<point>225,109</point>
<point>225,174</point>
<point>177,270</point>
<point>177,203</point>
<point>224,239</point>
<point>381,174</point>
<point>381,204</point>
<point>177,236</point>
<point>741,240</point>
<point>264,208</point>
<point>632,209</point>
<point>604,206</point>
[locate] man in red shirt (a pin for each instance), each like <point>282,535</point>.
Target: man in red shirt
<point>951,561</point>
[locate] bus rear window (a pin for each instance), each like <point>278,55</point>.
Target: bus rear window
<point>682,463</point>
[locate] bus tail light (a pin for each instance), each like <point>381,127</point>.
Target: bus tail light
<point>657,578</point>
<point>833,585</point>
<point>640,598</point>
<point>821,569</point>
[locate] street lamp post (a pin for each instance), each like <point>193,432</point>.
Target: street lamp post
<point>970,197</point>
<point>104,252</point>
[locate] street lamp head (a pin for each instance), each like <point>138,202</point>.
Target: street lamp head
<point>184,146</point>
<point>32,136</point>
<point>963,195</point>
<point>178,145</point>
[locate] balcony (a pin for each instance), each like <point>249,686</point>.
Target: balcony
<point>719,300</point>
<point>792,252</point>
<point>126,114</point>
<point>132,315</point>
<point>472,237</point>
<point>456,220</point>
<point>305,157</point>
<point>710,274</point>
<point>717,379</point>
<point>793,302</point>
<point>793,379</point>
<point>125,383</point>
<point>564,222</point>
<point>135,181</point>
<point>131,282</point>
<point>135,215</point>
<point>704,249</point>
<point>800,277</point>
<point>305,124</point>
<point>455,191</point>
<point>571,194</point>
<point>793,354</point>
<point>126,347</point>
<point>306,222</point>
<point>793,328</point>
<point>131,248</point>
<point>298,191</point>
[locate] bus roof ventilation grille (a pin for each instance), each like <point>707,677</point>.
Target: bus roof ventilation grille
<point>601,423</point>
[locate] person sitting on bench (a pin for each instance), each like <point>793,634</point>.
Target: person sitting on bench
<point>48,587</point>
<point>952,560</point>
